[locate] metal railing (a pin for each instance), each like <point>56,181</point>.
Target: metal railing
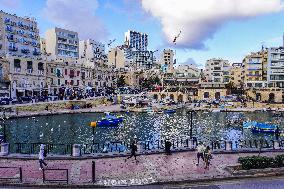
<point>33,148</point>
<point>55,180</point>
<point>12,178</point>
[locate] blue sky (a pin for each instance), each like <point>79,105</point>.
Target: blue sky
<point>229,35</point>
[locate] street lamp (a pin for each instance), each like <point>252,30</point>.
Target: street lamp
<point>4,119</point>
<point>191,122</point>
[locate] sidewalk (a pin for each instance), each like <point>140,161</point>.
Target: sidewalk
<point>156,168</point>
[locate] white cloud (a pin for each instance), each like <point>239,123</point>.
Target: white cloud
<point>76,15</point>
<point>200,19</point>
<point>10,3</point>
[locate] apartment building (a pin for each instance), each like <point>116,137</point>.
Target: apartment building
<point>217,70</point>
<point>190,71</point>
<point>116,58</point>
<point>237,75</point>
<point>19,36</point>
<point>65,76</point>
<point>275,68</point>
<point>167,61</point>
<point>62,43</point>
<point>91,50</point>
<point>255,70</point>
<point>136,40</point>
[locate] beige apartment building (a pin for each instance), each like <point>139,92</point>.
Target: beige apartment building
<point>217,70</point>
<point>237,75</point>
<point>62,74</point>
<point>62,43</point>
<point>116,58</point>
<point>167,61</point>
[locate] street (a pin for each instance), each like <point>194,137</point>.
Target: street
<point>252,183</point>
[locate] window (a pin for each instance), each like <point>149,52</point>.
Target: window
<point>58,82</point>
<point>78,73</point>
<point>65,82</point>
<point>71,82</point>
<point>17,63</point>
<point>51,70</point>
<point>77,82</point>
<point>40,66</point>
<point>29,65</point>
<point>66,72</point>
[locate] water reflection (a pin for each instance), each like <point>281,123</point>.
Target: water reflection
<point>73,128</point>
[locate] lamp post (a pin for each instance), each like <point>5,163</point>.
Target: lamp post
<point>191,123</point>
<point>4,118</point>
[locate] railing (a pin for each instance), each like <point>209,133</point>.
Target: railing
<point>12,177</point>
<point>146,146</point>
<point>33,148</point>
<point>66,179</point>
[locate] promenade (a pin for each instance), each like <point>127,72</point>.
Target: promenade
<point>151,169</point>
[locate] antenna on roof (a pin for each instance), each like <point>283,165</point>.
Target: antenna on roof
<point>110,42</point>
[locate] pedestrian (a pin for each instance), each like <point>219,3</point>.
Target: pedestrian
<point>168,145</point>
<point>133,148</point>
<point>200,152</point>
<point>277,132</point>
<point>42,154</point>
<point>207,157</point>
<point>46,108</point>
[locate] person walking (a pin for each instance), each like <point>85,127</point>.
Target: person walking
<point>42,154</point>
<point>200,152</point>
<point>133,148</point>
<point>168,145</point>
<point>207,157</point>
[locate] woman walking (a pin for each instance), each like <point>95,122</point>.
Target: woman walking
<point>207,157</point>
<point>42,154</point>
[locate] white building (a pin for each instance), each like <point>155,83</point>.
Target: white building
<point>187,70</point>
<point>91,50</point>
<point>217,70</point>
<point>61,43</point>
<point>18,36</point>
<point>136,40</point>
<point>275,71</point>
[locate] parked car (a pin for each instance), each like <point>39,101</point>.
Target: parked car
<point>42,98</point>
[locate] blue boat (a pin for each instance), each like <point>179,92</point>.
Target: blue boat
<point>110,121</point>
<point>169,111</point>
<point>263,128</point>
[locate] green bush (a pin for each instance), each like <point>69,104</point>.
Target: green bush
<point>260,162</point>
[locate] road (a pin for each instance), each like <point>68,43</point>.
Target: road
<point>256,183</point>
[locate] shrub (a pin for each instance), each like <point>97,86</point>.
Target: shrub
<point>260,162</point>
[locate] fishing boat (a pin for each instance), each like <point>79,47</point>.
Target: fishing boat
<point>170,111</point>
<point>258,127</point>
<point>108,121</point>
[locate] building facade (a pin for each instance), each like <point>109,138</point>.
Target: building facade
<point>217,70</point>
<point>237,75</point>
<point>62,43</point>
<point>275,68</point>
<point>167,61</point>
<point>136,40</point>
<point>4,78</point>
<point>91,50</point>
<point>18,36</point>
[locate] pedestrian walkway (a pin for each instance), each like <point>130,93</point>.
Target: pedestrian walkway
<point>154,168</point>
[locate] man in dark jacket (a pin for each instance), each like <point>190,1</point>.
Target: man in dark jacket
<point>133,148</point>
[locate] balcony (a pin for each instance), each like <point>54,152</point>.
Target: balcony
<point>40,72</point>
<point>36,53</point>
<point>25,51</point>
<point>17,70</point>
<point>13,48</point>
<point>30,71</point>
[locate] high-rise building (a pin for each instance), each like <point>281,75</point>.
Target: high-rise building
<point>136,40</point>
<point>167,61</point>
<point>62,43</point>
<point>19,36</point>
<point>91,50</point>
<point>217,70</point>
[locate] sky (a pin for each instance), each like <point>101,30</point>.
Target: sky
<point>228,29</point>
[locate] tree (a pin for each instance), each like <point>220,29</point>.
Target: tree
<point>121,81</point>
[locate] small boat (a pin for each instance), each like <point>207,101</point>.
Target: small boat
<point>107,121</point>
<point>170,111</point>
<point>264,128</point>
<point>249,124</point>
<point>277,114</point>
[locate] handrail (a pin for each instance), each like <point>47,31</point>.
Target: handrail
<point>20,174</point>
<point>55,180</point>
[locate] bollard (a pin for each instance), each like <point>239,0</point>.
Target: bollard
<point>76,150</point>
<point>228,145</point>
<point>276,145</point>
<point>4,149</point>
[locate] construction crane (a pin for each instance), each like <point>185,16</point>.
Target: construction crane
<point>110,42</point>
<point>176,37</point>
